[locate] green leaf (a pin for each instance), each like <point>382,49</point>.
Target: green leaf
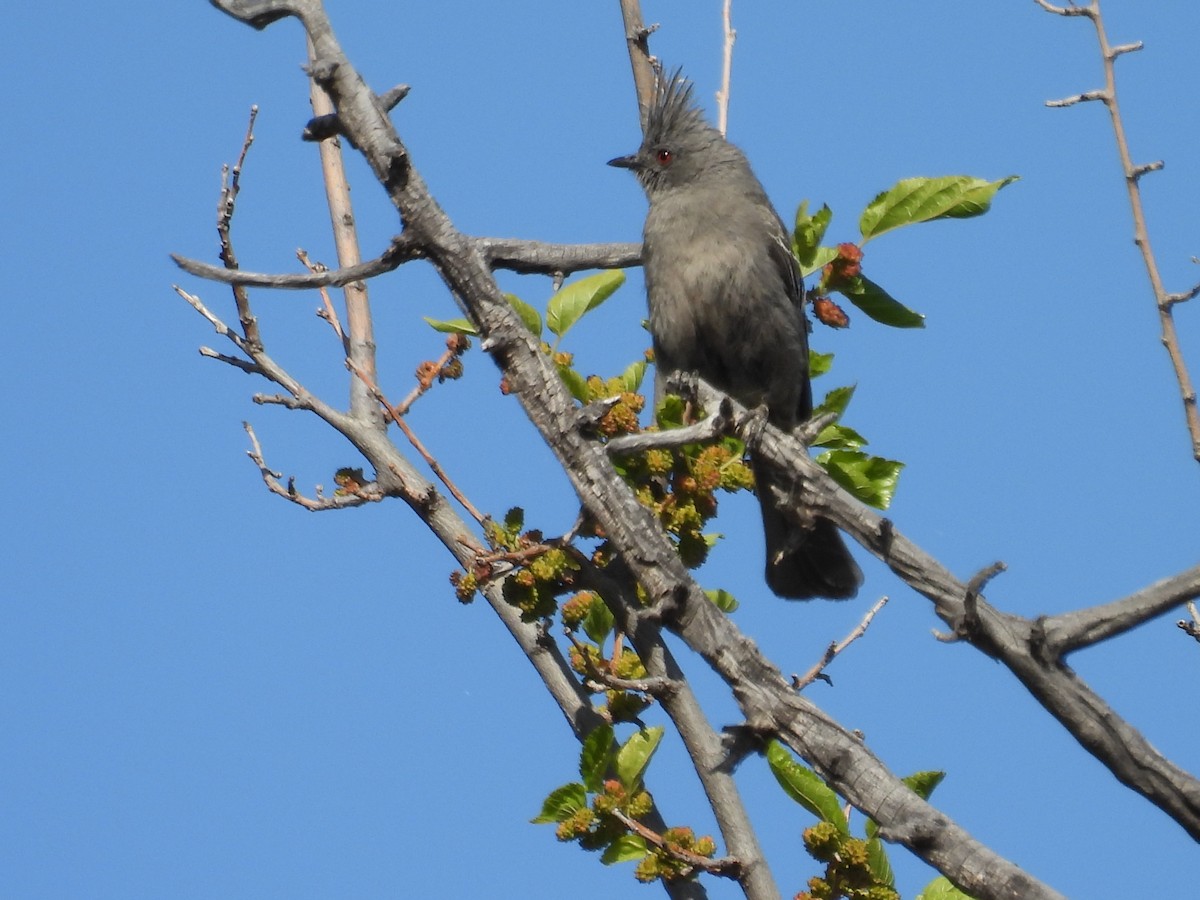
<point>819,363</point>
<point>570,303</point>
<point>880,865</point>
<point>530,316</point>
<point>839,437</point>
<point>595,756</point>
<point>575,383</point>
<point>452,326</point>
<point>823,257</point>
<point>631,378</point>
<point>872,479</point>
<point>835,401</point>
<point>941,889</point>
<point>670,412</point>
<point>809,232</point>
<point>916,200</point>
<point>626,848</point>
<point>879,304</point>
<point>562,803</point>
<point>923,783</point>
<point>635,755</point>
<point>514,519</point>
<point>804,786</point>
<point>724,600</point>
<point>598,623</point>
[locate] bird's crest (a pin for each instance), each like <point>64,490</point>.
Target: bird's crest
<point>673,112</point>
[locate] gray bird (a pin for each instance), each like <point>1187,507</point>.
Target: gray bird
<point>726,302</point>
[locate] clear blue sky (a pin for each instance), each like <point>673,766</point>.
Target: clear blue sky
<point>208,693</point>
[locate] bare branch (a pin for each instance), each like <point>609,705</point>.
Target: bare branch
<point>398,417</point>
<point>359,496</point>
<point>1164,300</point>
<point>540,258</point>
<point>360,332</point>
<point>643,64</point>
<point>521,256</point>
<point>730,35</point>
<point>1065,633</point>
<point>835,649</point>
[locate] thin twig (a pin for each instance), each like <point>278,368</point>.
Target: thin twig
<point>327,311</point>
<point>1164,300</point>
<point>343,500</point>
<point>360,335</point>
<point>231,185</point>
<point>836,648</point>
<point>643,64</point>
<point>655,687</point>
<point>725,866</point>
<point>726,65</point>
<point>398,417</point>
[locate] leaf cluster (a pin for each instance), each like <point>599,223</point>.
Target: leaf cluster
<point>593,811</point>
<point>856,868</point>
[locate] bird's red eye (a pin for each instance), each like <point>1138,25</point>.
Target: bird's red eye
<point>664,157</point>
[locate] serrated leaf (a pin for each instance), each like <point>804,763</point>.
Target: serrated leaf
<point>916,200</point>
<point>839,437</point>
<point>635,754</point>
<point>879,304</point>
<point>878,862</point>
<point>598,623</point>
<point>570,303</point>
<point>528,315</point>
<point>575,383</point>
<point>723,600</point>
<point>595,756</point>
<point>809,232</point>
<point>514,519</point>
<point>804,786</point>
<point>819,363</point>
<point>452,326</point>
<point>923,783</point>
<point>631,378</point>
<point>872,479</point>
<point>836,401</point>
<point>626,848</point>
<point>562,803</point>
<point>941,889</point>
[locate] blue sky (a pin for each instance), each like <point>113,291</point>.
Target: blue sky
<point>209,693</point>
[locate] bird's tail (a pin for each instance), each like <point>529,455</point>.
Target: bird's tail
<point>805,564</point>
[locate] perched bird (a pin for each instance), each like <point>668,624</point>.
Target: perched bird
<point>726,302</point>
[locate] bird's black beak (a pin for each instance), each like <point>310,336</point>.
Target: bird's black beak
<point>624,162</point>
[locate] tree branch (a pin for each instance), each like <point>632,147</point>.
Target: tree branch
<point>521,256</point>
<point>1164,300</point>
<point>759,688</point>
